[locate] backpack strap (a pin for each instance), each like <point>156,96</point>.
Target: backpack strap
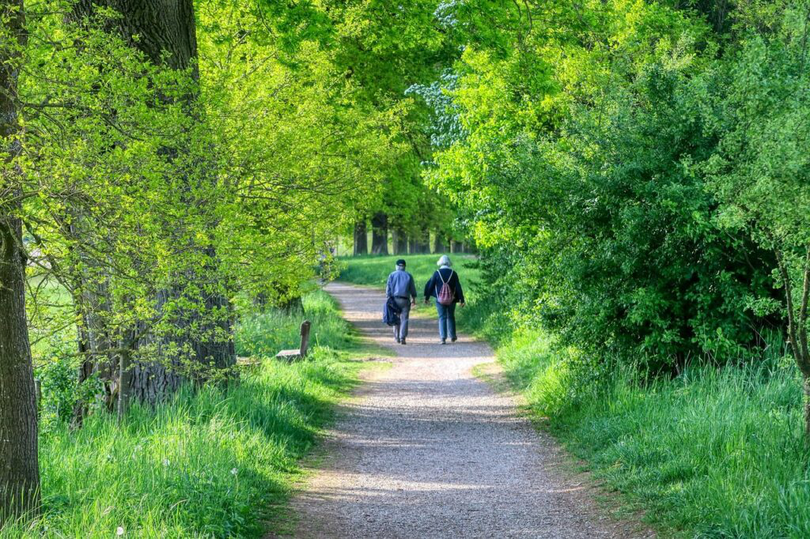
<point>442,278</point>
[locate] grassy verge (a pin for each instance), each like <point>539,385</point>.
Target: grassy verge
<point>712,453</point>
<point>211,463</point>
<point>374,270</point>
<point>715,452</point>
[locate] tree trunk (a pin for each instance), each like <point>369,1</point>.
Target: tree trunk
<point>807,412</point>
<point>19,464</point>
<point>19,461</point>
<point>797,327</point>
<point>419,244</point>
<point>400,240</point>
<point>438,243</point>
<point>164,30</point>
<point>379,234</point>
<point>360,238</point>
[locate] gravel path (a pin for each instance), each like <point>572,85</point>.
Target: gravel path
<point>428,450</point>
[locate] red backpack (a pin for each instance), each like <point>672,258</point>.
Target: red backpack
<point>446,296</point>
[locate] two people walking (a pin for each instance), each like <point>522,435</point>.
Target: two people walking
<point>444,285</point>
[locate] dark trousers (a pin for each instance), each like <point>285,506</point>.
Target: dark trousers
<point>447,320</point>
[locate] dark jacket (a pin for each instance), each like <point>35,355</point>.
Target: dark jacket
<point>434,285</point>
<point>391,312</point>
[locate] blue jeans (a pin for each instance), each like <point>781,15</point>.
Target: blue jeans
<point>447,320</point>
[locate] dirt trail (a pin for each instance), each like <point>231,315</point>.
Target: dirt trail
<point>428,450</point>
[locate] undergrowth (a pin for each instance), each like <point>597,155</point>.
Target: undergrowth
<point>209,463</point>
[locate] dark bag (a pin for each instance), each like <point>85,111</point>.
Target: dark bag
<point>446,296</point>
<point>391,312</point>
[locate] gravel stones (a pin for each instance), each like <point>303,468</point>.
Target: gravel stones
<point>426,449</point>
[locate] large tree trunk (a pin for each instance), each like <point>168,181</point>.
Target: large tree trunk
<point>360,238</point>
<point>164,30</point>
<point>19,462</point>
<point>419,244</point>
<point>400,240</point>
<point>379,234</point>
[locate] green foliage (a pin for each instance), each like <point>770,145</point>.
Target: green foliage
<point>576,170</point>
<point>210,463</point>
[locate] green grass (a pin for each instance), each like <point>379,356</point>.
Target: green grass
<point>264,334</point>
<point>374,270</point>
<point>212,463</point>
<point>712,453</point>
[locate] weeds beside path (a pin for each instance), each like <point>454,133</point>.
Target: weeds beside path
<point>210,463</point>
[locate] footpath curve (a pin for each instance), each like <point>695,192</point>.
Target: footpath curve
<point>427,450</point>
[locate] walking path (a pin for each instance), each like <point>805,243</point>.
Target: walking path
<point>428,450</point>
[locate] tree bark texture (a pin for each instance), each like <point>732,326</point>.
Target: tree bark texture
<point>164,30</point>
<point>360,238</point>
<point>379,234</point>
<point>161,26</point>
<point>19,462</point>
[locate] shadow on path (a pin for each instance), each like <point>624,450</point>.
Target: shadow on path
<point>428,450</point>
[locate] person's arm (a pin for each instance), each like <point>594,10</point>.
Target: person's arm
<point>388,287</point>
<point>412,288</point>
<point>459,291</point>
<point>429,288</point>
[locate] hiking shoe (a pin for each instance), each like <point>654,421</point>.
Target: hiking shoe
<point>454,339</point>
<point>402,341</point>
<point>443,342</point>
<point>399,340</point>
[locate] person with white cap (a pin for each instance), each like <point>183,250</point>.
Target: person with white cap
<point>445,286</point>
<point>401,288</point>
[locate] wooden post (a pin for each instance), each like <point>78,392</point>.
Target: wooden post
<point>305,327</point>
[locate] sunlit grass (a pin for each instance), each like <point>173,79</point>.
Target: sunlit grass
<point>712,453</point>
<point>218,462</point>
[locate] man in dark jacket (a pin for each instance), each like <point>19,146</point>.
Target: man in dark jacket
<point>401,288</point>
<point>447,313</point>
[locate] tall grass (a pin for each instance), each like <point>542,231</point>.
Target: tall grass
<point>218,462</point>
<point>715,452</point>
<point>264,334</point>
